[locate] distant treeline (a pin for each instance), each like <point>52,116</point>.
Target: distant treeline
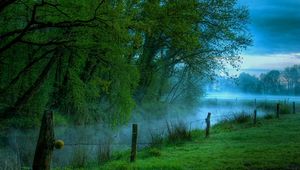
<point>275,82</point>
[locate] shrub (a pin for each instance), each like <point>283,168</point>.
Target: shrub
<point>284,109</point>
<point>268,116</point>
<point>242,118</point>
<point>178,132</point>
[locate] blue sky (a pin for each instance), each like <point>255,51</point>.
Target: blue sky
<point>275,27</point>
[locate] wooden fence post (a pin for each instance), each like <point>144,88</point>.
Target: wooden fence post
<point>294,108</point>
<point>277,110</point>
<point>254,117</point>
<point>207,120</point>
<point>134,142</point>
<point>45,143</point>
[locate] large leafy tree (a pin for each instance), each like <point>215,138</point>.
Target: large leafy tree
<point>71,54</point>
<point>187,40</point>
<point>92,58</point>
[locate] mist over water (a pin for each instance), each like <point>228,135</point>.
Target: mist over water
<point>87,140</point>
<point>244,96</point>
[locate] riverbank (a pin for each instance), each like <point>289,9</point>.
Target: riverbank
<point>271,144</point>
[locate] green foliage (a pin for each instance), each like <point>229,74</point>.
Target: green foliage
<point>285,109</point>
<point>154,152</point>
<point>268,116</point>
<point>22,122</point>
<point>60,119</point>
<point>96,60</point>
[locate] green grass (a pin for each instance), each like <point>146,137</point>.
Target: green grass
<point>271,144</point>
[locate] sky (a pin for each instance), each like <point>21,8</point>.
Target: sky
<point>275,29</point>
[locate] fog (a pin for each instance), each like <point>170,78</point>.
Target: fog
<point>87,140</point>
<point>245,96</point>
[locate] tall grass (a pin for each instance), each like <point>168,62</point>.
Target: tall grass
<point>156,138</point>
<point>177,132</point>
<point>79,158</point>
<point>104,151</point>
<point>242,117</point>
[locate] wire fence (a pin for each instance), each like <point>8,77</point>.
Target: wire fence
<point>201,124</point>
<point>123,140</point>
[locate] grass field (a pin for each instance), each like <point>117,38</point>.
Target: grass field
<point>271,144</point>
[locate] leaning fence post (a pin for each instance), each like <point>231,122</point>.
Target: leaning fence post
<point>254,117</point>
<point>134,142</point>
<point>277,110</point>
<point>294,108</point>
<point>45,143</point>
<point>207,120</point>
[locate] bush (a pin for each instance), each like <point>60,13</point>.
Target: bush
<point>242,118</point>
<point>268,116</point>
<point>178,132</point>
<point>284,109</point>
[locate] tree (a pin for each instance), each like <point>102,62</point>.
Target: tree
<point>70,54</point>
<point>95,59</point>
<point>271,82</point>
<point>248,83</point>
<point>194,37</point>
<point>291,75</point>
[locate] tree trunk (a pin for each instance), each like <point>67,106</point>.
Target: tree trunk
<point>146,68</point>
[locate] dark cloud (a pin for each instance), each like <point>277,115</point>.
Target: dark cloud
<point>275,26</point>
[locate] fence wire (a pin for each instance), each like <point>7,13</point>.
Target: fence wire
<point>200,123</point>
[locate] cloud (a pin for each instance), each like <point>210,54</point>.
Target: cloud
<point>257,64</point>
<point>270,61</point>
<point>274,25</point>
